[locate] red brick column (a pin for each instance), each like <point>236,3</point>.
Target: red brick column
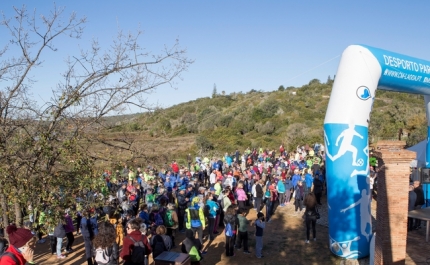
<point>392,202</point>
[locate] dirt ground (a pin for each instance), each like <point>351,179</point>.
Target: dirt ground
<point>284,243</point>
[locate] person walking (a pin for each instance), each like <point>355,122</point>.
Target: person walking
<point>310,215</point>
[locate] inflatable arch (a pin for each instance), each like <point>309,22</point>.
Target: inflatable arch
<point>361,71</point>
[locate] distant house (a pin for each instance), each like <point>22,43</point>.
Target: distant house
<point>293,93</point>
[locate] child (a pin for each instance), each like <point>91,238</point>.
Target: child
<point>259,225</point>
<point>242,237</point>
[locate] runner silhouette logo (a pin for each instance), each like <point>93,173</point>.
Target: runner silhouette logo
<point>363,93</point>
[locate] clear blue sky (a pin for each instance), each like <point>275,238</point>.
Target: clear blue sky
<point>243,45</point>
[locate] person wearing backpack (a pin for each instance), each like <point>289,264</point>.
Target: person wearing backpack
<point>230,222</point>
<point>192,247</point>
<point>171,222</point>
<point>160,242</point>
<point>195,219</point>
<point>136,248</point>
<point>106,250</point>
<point>21,248</point>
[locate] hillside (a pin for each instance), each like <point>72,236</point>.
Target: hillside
<point>294,116</point>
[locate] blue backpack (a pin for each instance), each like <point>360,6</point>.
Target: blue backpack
<point>228,230</point>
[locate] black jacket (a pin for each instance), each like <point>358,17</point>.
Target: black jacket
<point>259,191</point>
<point>420,196</point>
<point>182,203</point>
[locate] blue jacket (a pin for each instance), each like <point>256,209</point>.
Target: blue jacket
<point>89,227</point>
<point>302,165</point>
<point>295,180</point>
<point>309,179</point>
<point>288,184</point>
<point>162,176</point>
<point>145,217</point>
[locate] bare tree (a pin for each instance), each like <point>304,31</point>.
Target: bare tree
<point>45,155</point>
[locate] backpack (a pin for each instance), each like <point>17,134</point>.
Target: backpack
<point>168,220</point>
<point>4,244</point>
<point>138,252</point>
<point>159,246</point>
<point>228,230</point>
<point>158,219</point>
<point>195,254</point>
<point>102,255</point>
<point>150,198</point>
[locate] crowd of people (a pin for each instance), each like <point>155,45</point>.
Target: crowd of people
<point>146,208</point>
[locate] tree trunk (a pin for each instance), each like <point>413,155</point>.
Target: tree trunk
<point>4,209</point>
<point>18,213</point>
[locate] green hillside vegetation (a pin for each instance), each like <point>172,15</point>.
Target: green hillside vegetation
<point>294,116</point>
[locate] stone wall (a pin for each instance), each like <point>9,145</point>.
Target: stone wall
<point>392,202</point>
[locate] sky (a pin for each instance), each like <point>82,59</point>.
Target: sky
<point>240,45</point>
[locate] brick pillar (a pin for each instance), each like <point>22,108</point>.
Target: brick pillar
<point>392,202</point>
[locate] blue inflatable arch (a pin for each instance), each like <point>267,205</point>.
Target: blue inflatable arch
<point>361,71</point>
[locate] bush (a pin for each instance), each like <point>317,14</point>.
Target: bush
<point>203,143</point>
<point>266,128</point>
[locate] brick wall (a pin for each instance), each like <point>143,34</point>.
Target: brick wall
<point>392,202</point>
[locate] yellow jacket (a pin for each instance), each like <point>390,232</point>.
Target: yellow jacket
<point>194,217</point>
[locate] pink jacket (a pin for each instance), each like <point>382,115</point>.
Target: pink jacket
<point>241,195</point>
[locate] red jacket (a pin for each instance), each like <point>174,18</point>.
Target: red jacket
<point>128,245</point>
<point>175,167</point>
<point>6,260</point>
